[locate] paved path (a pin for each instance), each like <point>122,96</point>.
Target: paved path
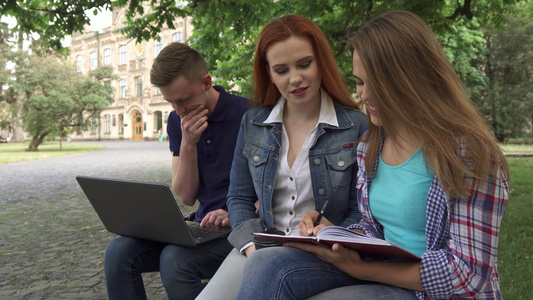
<point>51,240</point>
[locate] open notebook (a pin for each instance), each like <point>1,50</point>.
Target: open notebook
<point>369,247</point>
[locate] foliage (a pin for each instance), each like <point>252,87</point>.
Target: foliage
<point>228,42</point>
<point>57,97</point>
<point>508,65</point>
<point>226,30</point>
<point>494,64</point>
<point>7,99</point>
<point>51,20</point>
<point>464,46</point>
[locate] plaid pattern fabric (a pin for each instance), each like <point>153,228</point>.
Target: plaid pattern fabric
<point>461,235</point>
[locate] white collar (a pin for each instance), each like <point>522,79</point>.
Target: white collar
<point>327,111</point>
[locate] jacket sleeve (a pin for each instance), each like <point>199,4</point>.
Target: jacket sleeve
<point>241,195</point>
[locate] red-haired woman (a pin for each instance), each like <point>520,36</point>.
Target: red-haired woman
<point>295,150</point>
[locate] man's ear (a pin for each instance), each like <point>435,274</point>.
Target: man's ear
<point>207,82</point>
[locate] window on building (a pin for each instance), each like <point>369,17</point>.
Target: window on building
<point>114,121</point>
<point>121,123</point>
<point>107,56</point>
<point>166,117</point>
<point>94,125</point>
<point>122,88</point>
<point>139,86</point>
<point>107,124</point>
<point>158,120</point>
<point>79,63</point>
<point>122,55</point>
<point>158,45</point>
<point>94,60</point>
<point>157,91</point>
<point>177,37</point>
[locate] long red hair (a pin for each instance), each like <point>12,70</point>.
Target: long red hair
<point>280,29</point>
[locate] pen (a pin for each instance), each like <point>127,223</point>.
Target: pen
<point>320,215</point>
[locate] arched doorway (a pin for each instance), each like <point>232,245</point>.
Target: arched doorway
<point>137,126</point>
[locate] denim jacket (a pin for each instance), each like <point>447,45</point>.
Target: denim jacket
<point>333,165</point>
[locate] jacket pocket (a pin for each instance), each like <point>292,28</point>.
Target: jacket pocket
<point>257,158</point>
<point>340,166</point>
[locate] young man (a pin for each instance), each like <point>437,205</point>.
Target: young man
<point>202,132</point>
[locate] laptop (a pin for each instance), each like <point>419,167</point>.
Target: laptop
<point>144,210</point>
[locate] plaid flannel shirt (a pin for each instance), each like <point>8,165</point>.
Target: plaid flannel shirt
<point>461,235</point>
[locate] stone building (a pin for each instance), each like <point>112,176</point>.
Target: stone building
<point>138,112</point>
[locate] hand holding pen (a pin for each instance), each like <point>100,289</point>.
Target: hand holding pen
<point>310,220</point>
<point>319,218</point>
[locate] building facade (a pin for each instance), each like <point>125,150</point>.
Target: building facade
<point>138,112</point>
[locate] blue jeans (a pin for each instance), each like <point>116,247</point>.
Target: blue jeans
<point>181,268</point>
<point>290,273</point>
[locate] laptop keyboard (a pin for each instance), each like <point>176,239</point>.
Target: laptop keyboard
<point>204,232</point>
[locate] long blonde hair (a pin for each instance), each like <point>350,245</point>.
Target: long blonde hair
<point>414,84</point>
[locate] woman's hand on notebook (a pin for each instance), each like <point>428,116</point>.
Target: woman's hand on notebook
<point>308,225</point>
<point>217,217</point>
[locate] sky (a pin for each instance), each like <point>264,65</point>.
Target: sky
<point>102,20</point>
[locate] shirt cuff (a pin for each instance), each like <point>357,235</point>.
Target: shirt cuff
<point>245,246</point>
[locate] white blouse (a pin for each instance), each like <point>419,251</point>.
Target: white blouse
<point>293,192</point>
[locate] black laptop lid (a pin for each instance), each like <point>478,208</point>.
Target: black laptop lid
<point>137,209</point>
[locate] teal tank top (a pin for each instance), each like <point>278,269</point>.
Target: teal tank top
<point>398,201</point>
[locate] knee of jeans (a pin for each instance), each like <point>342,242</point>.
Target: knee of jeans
<point>178,262</point>
<point>265,257</point>
<point>174,257</point>
<point>117,251</point>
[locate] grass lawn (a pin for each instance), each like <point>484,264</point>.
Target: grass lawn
<point>517,148</point>
<point>515,256</point>
<point>14,152</point>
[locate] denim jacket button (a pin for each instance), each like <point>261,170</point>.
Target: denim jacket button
<point>321,191</point>
<point>317,161</point>
<point>256,158</point>
<point>341,163</point>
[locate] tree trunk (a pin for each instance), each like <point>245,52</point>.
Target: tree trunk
<point>16,121</point>
<point>18,133</point>
<point>36,141</point>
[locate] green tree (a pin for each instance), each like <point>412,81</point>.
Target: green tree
<point>6,99</point>
<point>464,46</point>
<point>226,30</point>
<point>228,41</point>
<point>507,99</point>
<point>56,97</point>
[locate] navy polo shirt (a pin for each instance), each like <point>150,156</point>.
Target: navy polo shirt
<point>215,149</point>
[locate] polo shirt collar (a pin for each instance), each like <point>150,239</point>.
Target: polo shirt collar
<point>223,106</point>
